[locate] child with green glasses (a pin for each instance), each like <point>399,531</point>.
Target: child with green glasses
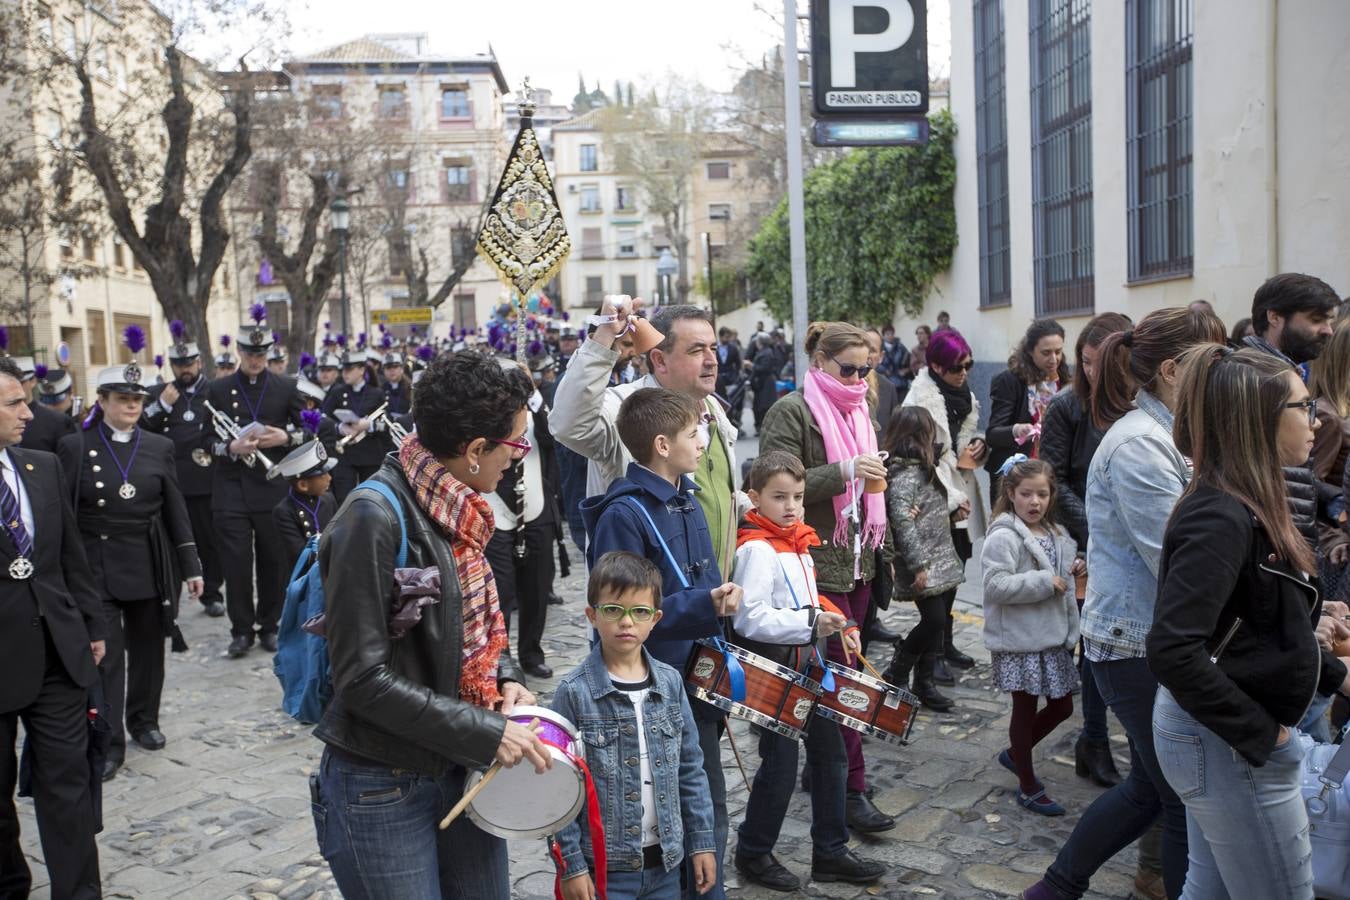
<point>633,716</point>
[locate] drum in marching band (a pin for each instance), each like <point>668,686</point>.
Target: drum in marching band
<point>519,803</point>
<point>751,687</point>
<point>866,704</point>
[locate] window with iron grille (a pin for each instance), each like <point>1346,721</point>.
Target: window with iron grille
<point>991,143</point>
<point>1061,154</point>
<point>1158,36</point>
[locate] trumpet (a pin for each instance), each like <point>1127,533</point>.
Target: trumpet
<point>397,432</point>
<point>227,431</point>
<point>357,436</point>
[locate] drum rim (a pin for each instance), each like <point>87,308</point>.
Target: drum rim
<point>544,714</point>
<point>862,727</point>
<point>753,716</point>
<point>532,833</point>
<point>764,664</point>
<point>876,684</point>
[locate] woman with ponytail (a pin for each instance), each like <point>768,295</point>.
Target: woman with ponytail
<point>827,425</point>
<point>1232,642</point>
<point>1136,477</point>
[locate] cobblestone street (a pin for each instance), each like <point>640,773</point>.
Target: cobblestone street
<point>223,810</point>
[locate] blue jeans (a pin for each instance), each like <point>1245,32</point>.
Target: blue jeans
<point>710,742</point>
<point>777,778</point>
<point>1247,825</point>
<point>1315,723</point>
<point>376,826</point>
<point>649,884</point>
<point>1120,815</point>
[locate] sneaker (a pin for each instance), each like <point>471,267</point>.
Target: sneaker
<point>768,872</point>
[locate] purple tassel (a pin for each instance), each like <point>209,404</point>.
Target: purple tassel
<point>95,412</point>
<point>310,420</point>
<point>258,312</point>
<point>134,337</point>
<point>177,329</point>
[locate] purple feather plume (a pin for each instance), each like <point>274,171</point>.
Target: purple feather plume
<point>567,317</point>
<point>387,341</point>
<point>360,340</point>
<point>258,312</point>
<point>177,329</point>
<point>306,360</point>
<point>159,360</point>
<point>40,371</point>
<point>275,337</point>
<point>134,337</point>
<point>328,326</point>
<point>310,419</point>
<point>534,348</point>
<point>225,341</point>
<point>383,329</point>
<point>426,353</point>
<point>4,338</point>
<point>341,340</point>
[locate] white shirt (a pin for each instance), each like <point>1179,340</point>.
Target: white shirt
<point>503,512</point>
<point>636,691</point>
<point>16,487</point>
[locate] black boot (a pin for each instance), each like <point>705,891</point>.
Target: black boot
<point>941,674</point>
<point>847,866</point>
<point>1092,759</point>
<point>950,653</point>
<point>863,815</point>
<point>925,688</point>
<point>897,673</point>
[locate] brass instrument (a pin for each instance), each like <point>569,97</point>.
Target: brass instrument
<point>397,432</point>
<point>357,436</point>
<point>227,430</point>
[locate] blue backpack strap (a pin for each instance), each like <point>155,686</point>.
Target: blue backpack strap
<point>827,679</point>
<point>311,548</point>
<point>388,493</point>
<point>679,570</point>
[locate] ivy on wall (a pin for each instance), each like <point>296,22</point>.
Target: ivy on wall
<point>880,226</point>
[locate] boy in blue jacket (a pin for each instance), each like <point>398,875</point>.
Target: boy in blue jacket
<point>652,512</point>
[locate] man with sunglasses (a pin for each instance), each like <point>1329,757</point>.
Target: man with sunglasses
<point>260,404</point>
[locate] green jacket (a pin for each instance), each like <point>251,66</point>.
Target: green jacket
<point>789,426</point>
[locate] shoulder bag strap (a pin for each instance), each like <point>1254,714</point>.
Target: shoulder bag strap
<point>679,570</point>
<point>388,494</point>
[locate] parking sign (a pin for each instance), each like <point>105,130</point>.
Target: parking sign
<point>869,57</point>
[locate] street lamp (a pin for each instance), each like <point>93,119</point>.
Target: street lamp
<point>340,221</point>
<point>666,267</point>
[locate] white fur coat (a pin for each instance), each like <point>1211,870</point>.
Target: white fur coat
<point>961,485</point>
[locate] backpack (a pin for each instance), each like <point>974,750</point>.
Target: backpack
<point>301,661</point>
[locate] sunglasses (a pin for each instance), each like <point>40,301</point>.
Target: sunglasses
<point>613,612</point>
<point>848,371</point>
<point>963,367</point>
<point>1309,404</point>
<point>521,447</point>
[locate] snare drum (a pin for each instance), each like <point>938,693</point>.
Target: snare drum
<point>520,803</point>
<point>776,697</point>
<point>868,705</point>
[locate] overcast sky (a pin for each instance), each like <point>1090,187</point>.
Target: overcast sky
<point>639,40</point>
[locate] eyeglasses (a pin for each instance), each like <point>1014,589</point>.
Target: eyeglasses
<point>522,447</point>
<point>963,367</point>
<point>613,612</point>
<point>1310,404</point>
<point>848,371</point>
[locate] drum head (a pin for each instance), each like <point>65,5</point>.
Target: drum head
<point>521,804</point>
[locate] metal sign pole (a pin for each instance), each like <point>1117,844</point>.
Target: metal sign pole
<point>792,132</point>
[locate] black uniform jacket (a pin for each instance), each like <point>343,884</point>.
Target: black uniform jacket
<point>297,526</point>
<point>48,427</point>
<point>370,450</point>
<point>185,425</point>
<point>119,534</point>
<point>238,487</point>
<point>61,590</point>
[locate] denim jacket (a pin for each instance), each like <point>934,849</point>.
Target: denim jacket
<point>606,720</point>
<point>1136,477</point>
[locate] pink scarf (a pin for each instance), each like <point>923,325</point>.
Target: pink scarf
<point>840,411</point>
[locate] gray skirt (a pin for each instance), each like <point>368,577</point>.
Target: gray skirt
<point>1048,673</point>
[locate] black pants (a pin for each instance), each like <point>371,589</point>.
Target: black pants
<point>133,669</point>
<point>523,584</point>
<point>933,613</point>
<point>58,732</point>
<point>239,532</point>
<point>347,476</point>
<point>204,533</point>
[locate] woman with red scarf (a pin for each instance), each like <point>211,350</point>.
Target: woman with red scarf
<point>410,717</point>
<point>828,426</point>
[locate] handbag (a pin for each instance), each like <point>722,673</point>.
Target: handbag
<point>1327,799</point>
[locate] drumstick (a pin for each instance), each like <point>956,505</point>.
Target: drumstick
<point>472,792</point>
<point>869,667</point>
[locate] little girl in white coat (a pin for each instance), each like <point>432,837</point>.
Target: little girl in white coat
<point>1030,616</point>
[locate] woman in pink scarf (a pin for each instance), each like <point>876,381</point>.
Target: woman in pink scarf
<point>829,427</point>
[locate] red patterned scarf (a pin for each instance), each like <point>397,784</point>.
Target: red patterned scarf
<point>465,519</point>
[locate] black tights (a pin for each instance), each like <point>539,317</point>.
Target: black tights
<point>1027,728</point>
<point>932,619</point>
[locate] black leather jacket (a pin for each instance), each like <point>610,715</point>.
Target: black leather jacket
<point>1218,570</point>
<point>397,701</point>
<point>1069,438</point>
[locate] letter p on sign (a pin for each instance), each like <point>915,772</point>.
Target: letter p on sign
<point>845,44</point>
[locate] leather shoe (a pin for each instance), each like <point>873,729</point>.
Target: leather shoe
<point>956,658</point>
<point>554,599</point>
<point>864,816</point>
<point>240,646</point>
<point>881,634</point>
<point>268,641</point>
<point>943,675</point>
<point>152,739</point>
<point>768,872</point>
<point>215,609</point>
<point>110,767</point>
<point>847,866</point>
<point>538,670</point>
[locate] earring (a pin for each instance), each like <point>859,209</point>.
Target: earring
<point>473,469</point>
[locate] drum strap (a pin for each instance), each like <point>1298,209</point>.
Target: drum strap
<point>735,673</point>
<point>826,679</point>
<point>596,822</point>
